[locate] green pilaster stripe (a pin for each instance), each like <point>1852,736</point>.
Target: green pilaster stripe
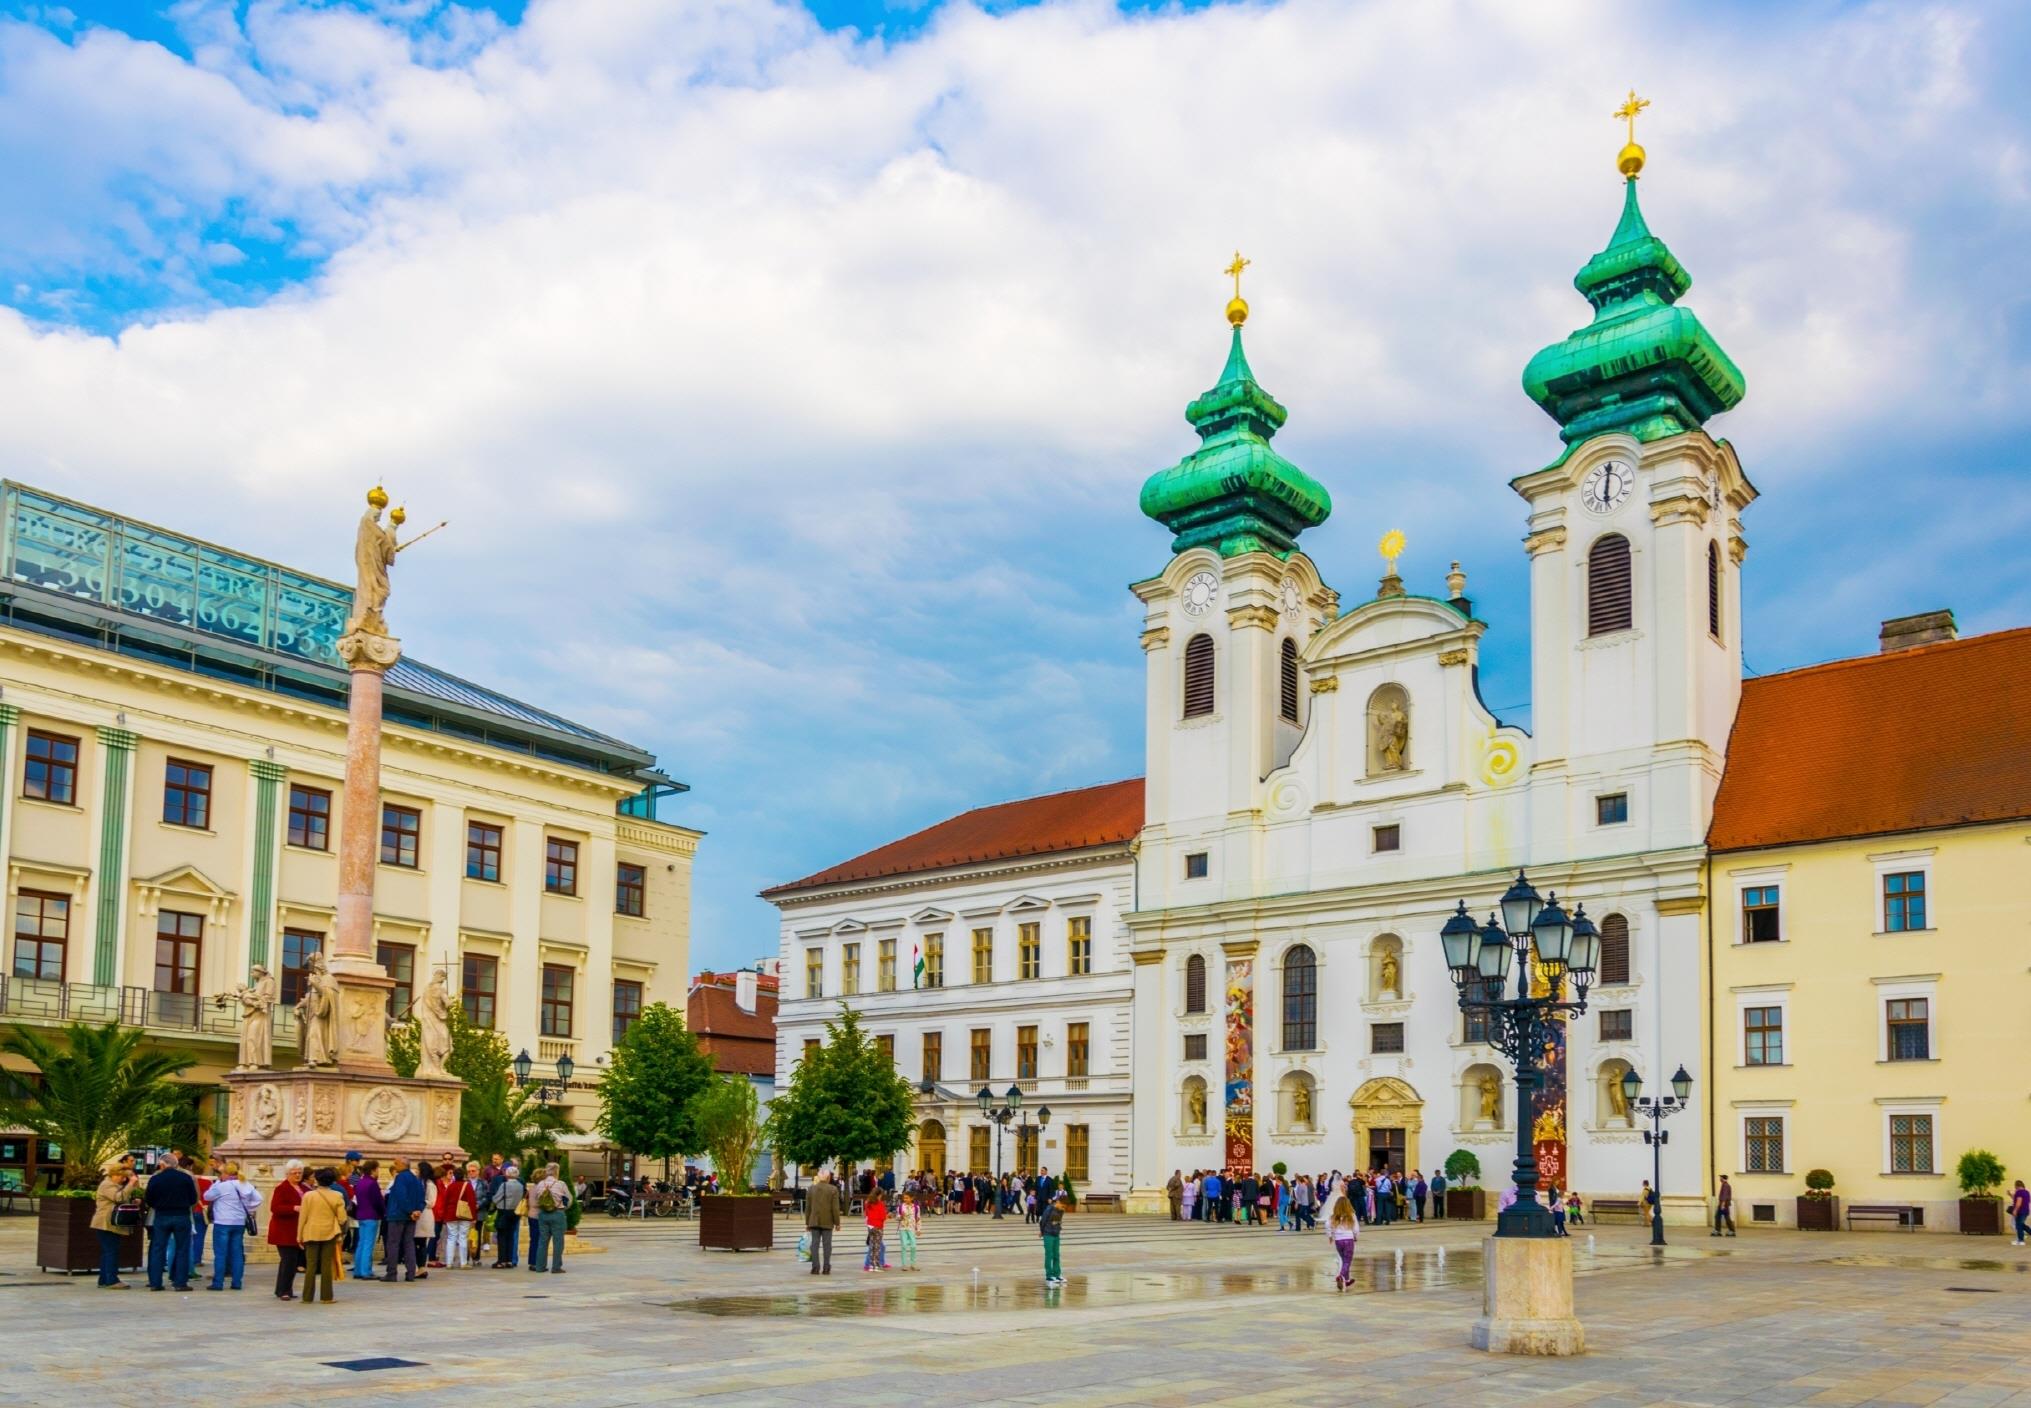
<point>267,790</point>
<point>112,854</point>
<point>9,716</point>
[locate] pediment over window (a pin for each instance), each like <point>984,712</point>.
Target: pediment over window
<point>1023,903</point>
<point>183,886</point>
<point>931,915</point>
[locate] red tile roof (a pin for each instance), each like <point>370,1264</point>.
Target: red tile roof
<point>1063,821</point>
<point>739,1043</point>
<point>1938,735</point>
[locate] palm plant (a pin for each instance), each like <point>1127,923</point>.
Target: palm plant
<point>99,1093</point>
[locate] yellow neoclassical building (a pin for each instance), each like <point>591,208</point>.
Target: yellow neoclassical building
<point>172,738</point>
<point>1871,935</point>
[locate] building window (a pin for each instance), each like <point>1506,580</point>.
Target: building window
<point>1475,1029</point>
<point>934,1056</point>
<point>1195,866</point>
<point>934,960</point>
<point>1618,1024</point>
<point>1608,592</point>
<point>1759,915</point>
<point>1079,945</point>
<point>814,972</point>
<point>310,818</point>
<point>1763,1144</point>
<point>1078,1048</point>
<point>401,833</point>
<point>627,1007</point>
<point>482,851</point>
<point>399,961</point>
<point>51,774</point>
<point>1611,810</point>
<point>976,1150</point>
<point>1910,1021</point>
<point>1198,676</point>
<point>1300,999</point>
<point>479,980</point>
<point>885,966</point>
<point>1904,901</point>
<point>560,866</point>
<point>1078,1152</point>
<point>557,984</point>
<point>297,947</point>
<point>1026,1053</point>
<point>1287,679</point>
<point>1763,1036</point>
<point>187,794</point>
<point>631,890</point>
<point>810,1049</point>
<point>1386,1038</point>
<point>886,1044</point>
<point>980,1054</point>
<point>1195,983</point>
<point>983,955</point>
<point>1389,838</point>
<point>179,940</point>
<point>1195,1046</point>
<point>849,969</point>
<point>1029,950</point>
<point>1911,1144</point>
<point>1714,590</point>
<point>1614,959</point>
<point>42,926</point>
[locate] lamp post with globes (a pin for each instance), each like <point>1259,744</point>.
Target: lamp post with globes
<point>1536,938</point>
<point>1654,1110</point>
<point>1008,1111</point>
<point>544,1091</point>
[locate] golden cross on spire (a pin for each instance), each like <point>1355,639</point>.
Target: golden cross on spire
<point>1629,161</point>
<point>1237,306</point>
<point>1233,271</point>
<point>1629,110</point>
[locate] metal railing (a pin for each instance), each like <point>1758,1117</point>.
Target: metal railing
<point>45,1001</point>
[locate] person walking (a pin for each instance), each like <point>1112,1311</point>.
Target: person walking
<point>1175,1192</point>
<point>426,1220</point>
<point>232,1205</point>
<point>1724,1207</point>
<point>282,1212</point>
<point>1050,1227</point>
<point>2020,1212</point>
<point>549,1206</point>
<point>1419,1190</point>
<point>510,1202</point>
<point>876,1258</point>
<point>117,1194</point>
<point>909,1221</point>
<point>320,1222</point>
<point>821,1220</point>
<point>404,1209</point>
<point>170,1194</point>
<point>370,1208</point>
<point>457,1210</point>
<point>1343,1230</point>
<point>1573,1218</point>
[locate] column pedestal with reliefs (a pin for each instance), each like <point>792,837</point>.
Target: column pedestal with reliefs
<point>356,1102</point>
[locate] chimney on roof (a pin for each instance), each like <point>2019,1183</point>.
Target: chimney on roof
<point>744,986</point>
<point>1926,628</point>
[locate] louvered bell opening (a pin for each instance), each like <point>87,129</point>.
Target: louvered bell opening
<point>1714,590</point>
<point>1614,950</point>
<point>1198,676</point>
<point>1608,602</point>
<point>1195,984</point>
<point>1288,680</point>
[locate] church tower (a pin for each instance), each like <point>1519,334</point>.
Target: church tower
<point>1223,629</point>
<point>1636,549</point>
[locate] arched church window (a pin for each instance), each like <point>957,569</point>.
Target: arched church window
<point>1614,949</point>
<point>1287,679</point>
<point>1198,676</point>
<point>1714,590</point>
<point>1608,587</point>
<point>1300,999</point>
<point>1195,983</point>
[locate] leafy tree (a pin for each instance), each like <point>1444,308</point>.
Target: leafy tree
<point>730,1125</point>
<point>652,1081</point>
<point>495,1116</point>
<point>845,1102</point>
<point>99,1095</point>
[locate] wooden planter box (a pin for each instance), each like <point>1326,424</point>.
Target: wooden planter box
<point>732,1224</point>
<point>1981,1217</point>
<point>1467,1204</point>
<point>1819,1214</point>
<point>64,1240</point>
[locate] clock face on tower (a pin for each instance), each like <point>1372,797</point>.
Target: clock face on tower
<point>1607,486</point>
<point>1201,592</point>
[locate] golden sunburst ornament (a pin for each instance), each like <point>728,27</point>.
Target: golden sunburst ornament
<point>1391,548</point>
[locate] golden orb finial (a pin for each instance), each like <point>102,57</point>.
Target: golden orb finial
<point>377,497</point>
<point>1237,306</point>
<point>398,515</point>
<point>1629,161</point>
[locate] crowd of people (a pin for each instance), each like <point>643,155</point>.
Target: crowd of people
<point>886,1201</point>
<point>330,1223</point>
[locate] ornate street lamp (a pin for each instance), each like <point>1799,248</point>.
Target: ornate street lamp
<point>523,1065</point>
<point>1656,1136</point>
<point>565,1066</point>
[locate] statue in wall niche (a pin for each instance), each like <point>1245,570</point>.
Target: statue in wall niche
<point>1491,1097</point>
<point>1301,1105</point>
<point>317,1013</point>
<point>1388,730</point>
<point>1195,1105</point>
<point>1618,1103</point>
<point>433,1027</point>
<point>257,1019</point>
<point>1392,974</point>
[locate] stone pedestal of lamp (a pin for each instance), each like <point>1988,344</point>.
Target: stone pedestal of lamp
<point>1527,1298</point>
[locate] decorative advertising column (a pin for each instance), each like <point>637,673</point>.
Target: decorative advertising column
<point>116,756</point>
<point>1240,1115</point>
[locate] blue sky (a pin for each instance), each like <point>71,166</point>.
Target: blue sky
<point>789,374</point>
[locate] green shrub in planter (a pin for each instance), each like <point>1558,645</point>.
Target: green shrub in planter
<point>1981,1173</point>
<point>1462,1164</point>
<point>1819,1183</point>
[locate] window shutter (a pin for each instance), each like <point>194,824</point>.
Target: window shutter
<point>1195,984</point>
<point>1608,605</point>
<point>1287,675</point>
<point>1614,949</point>
<point>1198,676</point>
<point>1714,590</point>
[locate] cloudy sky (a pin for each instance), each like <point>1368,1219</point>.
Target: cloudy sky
<point>789,373</point>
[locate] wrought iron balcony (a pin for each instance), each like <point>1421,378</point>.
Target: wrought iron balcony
<point>44,1001</point>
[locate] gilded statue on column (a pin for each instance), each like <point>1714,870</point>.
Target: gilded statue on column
<point>374,549</point>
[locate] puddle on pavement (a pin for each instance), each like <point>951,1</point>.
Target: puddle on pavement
<point>1419,1271</point>
<point>1928,1263</point>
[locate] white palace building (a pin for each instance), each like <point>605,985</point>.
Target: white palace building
<point>1251,963</point>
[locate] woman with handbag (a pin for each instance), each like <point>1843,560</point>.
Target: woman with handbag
<point>457,1207</point>
<point>232,1205</point>
<point>282,1213</point>
<point>427,1250</point>
<point>116,1212</point>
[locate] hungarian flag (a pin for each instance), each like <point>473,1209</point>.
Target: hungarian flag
<point>916,965</point>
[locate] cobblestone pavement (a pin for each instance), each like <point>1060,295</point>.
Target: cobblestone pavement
<point>1155,1314</point>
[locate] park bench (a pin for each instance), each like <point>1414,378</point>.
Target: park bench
<point>1903,1215</point>
<point>1616,1207</point>
<point>1101,1202</point>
